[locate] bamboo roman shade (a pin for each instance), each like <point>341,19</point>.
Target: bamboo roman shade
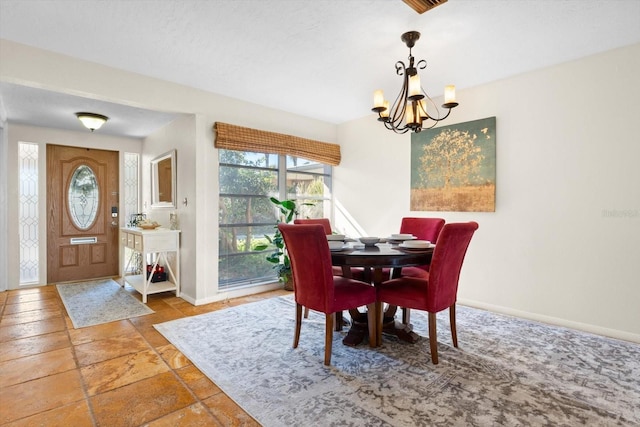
<point>231,137</point>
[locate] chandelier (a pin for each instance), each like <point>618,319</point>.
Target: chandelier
<point>409,111</point>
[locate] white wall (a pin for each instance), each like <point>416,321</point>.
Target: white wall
<point>567,158</point>
<point>181,136</point>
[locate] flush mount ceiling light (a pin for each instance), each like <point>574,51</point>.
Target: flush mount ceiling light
<point>409,111</point>
<point>92,121</point>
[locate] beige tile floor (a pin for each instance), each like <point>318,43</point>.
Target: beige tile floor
<point>121,373</point>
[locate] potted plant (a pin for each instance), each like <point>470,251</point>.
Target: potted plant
<point>279,257</point>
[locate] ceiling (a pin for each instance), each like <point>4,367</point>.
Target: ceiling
<point>317,58</point>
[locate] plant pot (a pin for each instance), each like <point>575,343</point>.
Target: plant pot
<point>288,283</point>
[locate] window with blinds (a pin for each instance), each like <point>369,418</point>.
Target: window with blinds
<point>254,166</point>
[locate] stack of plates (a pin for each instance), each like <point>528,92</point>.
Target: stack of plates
<point>416,244</point>
<point>339,237</point>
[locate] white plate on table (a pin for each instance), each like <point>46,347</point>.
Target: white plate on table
<point>402,236</point>
<point>342,248</point>
<point>392,239</point>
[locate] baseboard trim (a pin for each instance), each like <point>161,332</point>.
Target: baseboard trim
<point>585,327</point>
<point>234,293</point>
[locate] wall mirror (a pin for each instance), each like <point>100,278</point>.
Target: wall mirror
<point>163,181</point>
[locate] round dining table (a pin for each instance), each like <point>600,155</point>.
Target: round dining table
<point>373,260</point>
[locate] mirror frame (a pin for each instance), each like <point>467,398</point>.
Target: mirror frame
<point>155,193</point>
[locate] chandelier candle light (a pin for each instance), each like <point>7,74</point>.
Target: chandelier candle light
<point>409,111</point>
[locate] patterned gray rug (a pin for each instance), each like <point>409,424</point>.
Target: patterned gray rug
<point>101,301</point>
<point>507,371</point>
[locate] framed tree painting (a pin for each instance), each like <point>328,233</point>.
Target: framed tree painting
<point>453,168</point>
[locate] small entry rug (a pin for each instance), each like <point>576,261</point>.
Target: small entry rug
<point>101,301</point>
<point>507,371</point>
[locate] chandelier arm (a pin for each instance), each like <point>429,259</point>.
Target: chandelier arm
<point>435,121</point>
<point>399,130</point>
<point>422,64</point>
<point>445,116</point>
<point>437,109</point>
<point>428,127</point>
<point>399,108</point>
<point>427,101</point>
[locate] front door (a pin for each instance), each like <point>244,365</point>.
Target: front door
<point>82,194</point>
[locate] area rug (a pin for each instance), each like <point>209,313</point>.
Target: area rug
<point>506,371</point>
<point>102,301</point>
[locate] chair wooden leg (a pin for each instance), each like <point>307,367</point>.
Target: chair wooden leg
<point>406,315</point>
<point>339,323</point>
<point>379,322</point>
<point>306,312</point>
<point>372,322</point>
<point>433,339</point>
<point>452,321</point>
<point>328,338</point>
<point>296,335</point>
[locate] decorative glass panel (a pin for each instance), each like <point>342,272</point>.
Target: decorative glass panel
<point>131,191</point>
<point>29,220</point>
<point>83,197</point>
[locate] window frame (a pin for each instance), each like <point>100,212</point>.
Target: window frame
<point>282,171</point>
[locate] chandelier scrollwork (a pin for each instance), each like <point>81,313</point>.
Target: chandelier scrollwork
<point>409,110</point>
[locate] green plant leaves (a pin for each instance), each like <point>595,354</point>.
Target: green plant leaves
<point>289,211</point>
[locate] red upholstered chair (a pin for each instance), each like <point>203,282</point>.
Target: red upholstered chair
<point>317,288</point>
<point>439,290</point>
<point>326,224</point>
<point>424,229</point>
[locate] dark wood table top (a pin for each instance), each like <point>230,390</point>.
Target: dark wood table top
<point>380,256</point>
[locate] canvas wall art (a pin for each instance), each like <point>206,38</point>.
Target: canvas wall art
<point>453,168</point>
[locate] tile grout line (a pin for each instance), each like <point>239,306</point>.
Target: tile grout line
<point>176,375</point>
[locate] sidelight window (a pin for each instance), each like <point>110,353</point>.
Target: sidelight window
<point>29,220</point>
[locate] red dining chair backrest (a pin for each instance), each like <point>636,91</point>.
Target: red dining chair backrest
<point>446,265</point>
<point>423,228</point>
<point>322,221</point>
<point>337,271</point>
<point>310,264</point>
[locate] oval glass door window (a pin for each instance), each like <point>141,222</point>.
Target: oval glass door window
<point>83,197</point>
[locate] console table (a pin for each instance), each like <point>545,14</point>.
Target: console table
<point>153,246</point>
